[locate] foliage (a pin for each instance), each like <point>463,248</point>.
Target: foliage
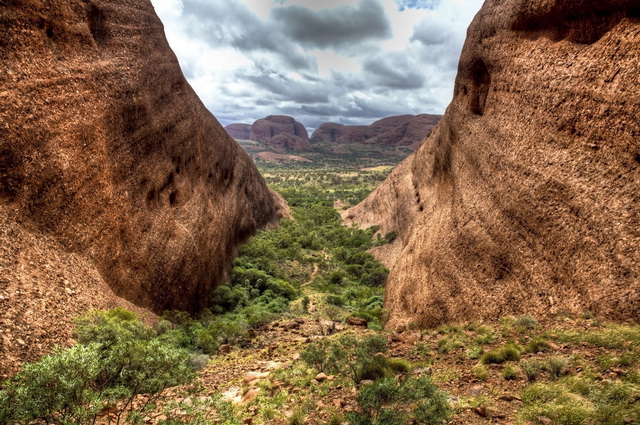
<point>357,358</point>
<point>117,358</point>
<point>532,369</point>
<point>388,402</point>
<point>582,400</point>
<point>509,352</point>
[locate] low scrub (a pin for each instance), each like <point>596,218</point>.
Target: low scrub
<point>389,402</point>
<point>117,358</point>
<point>509,352</point>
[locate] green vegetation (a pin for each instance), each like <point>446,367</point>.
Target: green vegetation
<point>389,402</point>
<point>357,358</point>
<point>509,352</point>
<point>116,358</point>
<point>582,400</point>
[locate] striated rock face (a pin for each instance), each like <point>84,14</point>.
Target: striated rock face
<point>115,181</point>
<point>401,130</point>
<point>266,128</point>
<point>239,131</point>
<point>525,197</point>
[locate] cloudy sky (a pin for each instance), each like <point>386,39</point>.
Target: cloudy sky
<point>345,61</point>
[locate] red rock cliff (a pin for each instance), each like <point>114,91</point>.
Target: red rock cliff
<point>115,181</point>
<point>525,197</point>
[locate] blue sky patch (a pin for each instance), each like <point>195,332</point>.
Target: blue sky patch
<point>416,4</point>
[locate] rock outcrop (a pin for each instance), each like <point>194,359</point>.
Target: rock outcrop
<point>116,183</point>
<point>263,130</point>
<point>239,131</point>
<point>525,198</point>
<point>402,130</point>
<point>285,142</point>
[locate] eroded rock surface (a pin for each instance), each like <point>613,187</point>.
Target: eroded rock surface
<point>116,183</point>
<point>402,130</point>
<point>265,129</point>
<point>239,131</point>
<point>525,197</point>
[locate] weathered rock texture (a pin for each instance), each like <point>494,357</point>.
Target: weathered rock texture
<point>525,197</point>
<point>239,131</point>
<point>266,129</point>
<point>401,130</point>
<point>115,180</point>
<point>285,142</point>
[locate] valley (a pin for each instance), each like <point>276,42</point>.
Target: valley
<point>296,337</point>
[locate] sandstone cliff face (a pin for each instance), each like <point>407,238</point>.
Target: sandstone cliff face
<point>115,181</point>
<point>401,130</point>
<point>266,128</point>
<point>239,131</point>
<point>525,197</point>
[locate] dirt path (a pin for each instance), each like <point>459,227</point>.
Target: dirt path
<point>313,274</point>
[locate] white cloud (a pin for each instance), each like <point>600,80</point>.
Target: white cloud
<point>318,60</point>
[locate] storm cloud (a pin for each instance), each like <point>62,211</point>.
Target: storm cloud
<point>333,28</point>
<point>346,61</point>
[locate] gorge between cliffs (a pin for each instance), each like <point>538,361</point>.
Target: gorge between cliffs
<point>480,266</point>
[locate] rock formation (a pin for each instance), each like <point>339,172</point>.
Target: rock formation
<point>401,130</point>
<point>267,128</point>
<point>288,142</point>
<point>525,198</point>
<point>116,183</point>
<point>239,131</point>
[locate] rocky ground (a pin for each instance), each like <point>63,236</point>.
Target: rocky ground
<point>266,381</point>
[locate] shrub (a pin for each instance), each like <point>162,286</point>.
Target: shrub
<point>387,402</point>
<point>354,357</point>
<point>297,418</point>
<point>480,371</point>
<point>317,355</point>
<point>526,322</point>
<point>117,358</point>
<point>509,352</point>
<point>557,366</point>
<point>532,369</point>
<point>536,345</point>
<point>510,373</point>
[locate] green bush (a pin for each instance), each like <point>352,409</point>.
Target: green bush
<point>509,352</point>
<point>557,366</point>
<point>526,322</point>
<point>117,357</point>
<point>536,345</point>
<point>532,369</point>
<point>387,402</point>
<point>510,373</point>
<point>354,357</point>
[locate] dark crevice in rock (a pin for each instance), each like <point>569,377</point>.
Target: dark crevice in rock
<point>481,80</point>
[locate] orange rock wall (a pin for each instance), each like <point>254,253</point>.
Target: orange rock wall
<point>525,197</point>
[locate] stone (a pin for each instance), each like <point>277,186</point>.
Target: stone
<point>252,377</point>
<point>524,153</point>
<point>402,130</point>
<point>321,377</point>
<point>356,321</point>
<point>224,349</point>
<point>239,131</point>
<point>250,395</point>
<point>283,132</point>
